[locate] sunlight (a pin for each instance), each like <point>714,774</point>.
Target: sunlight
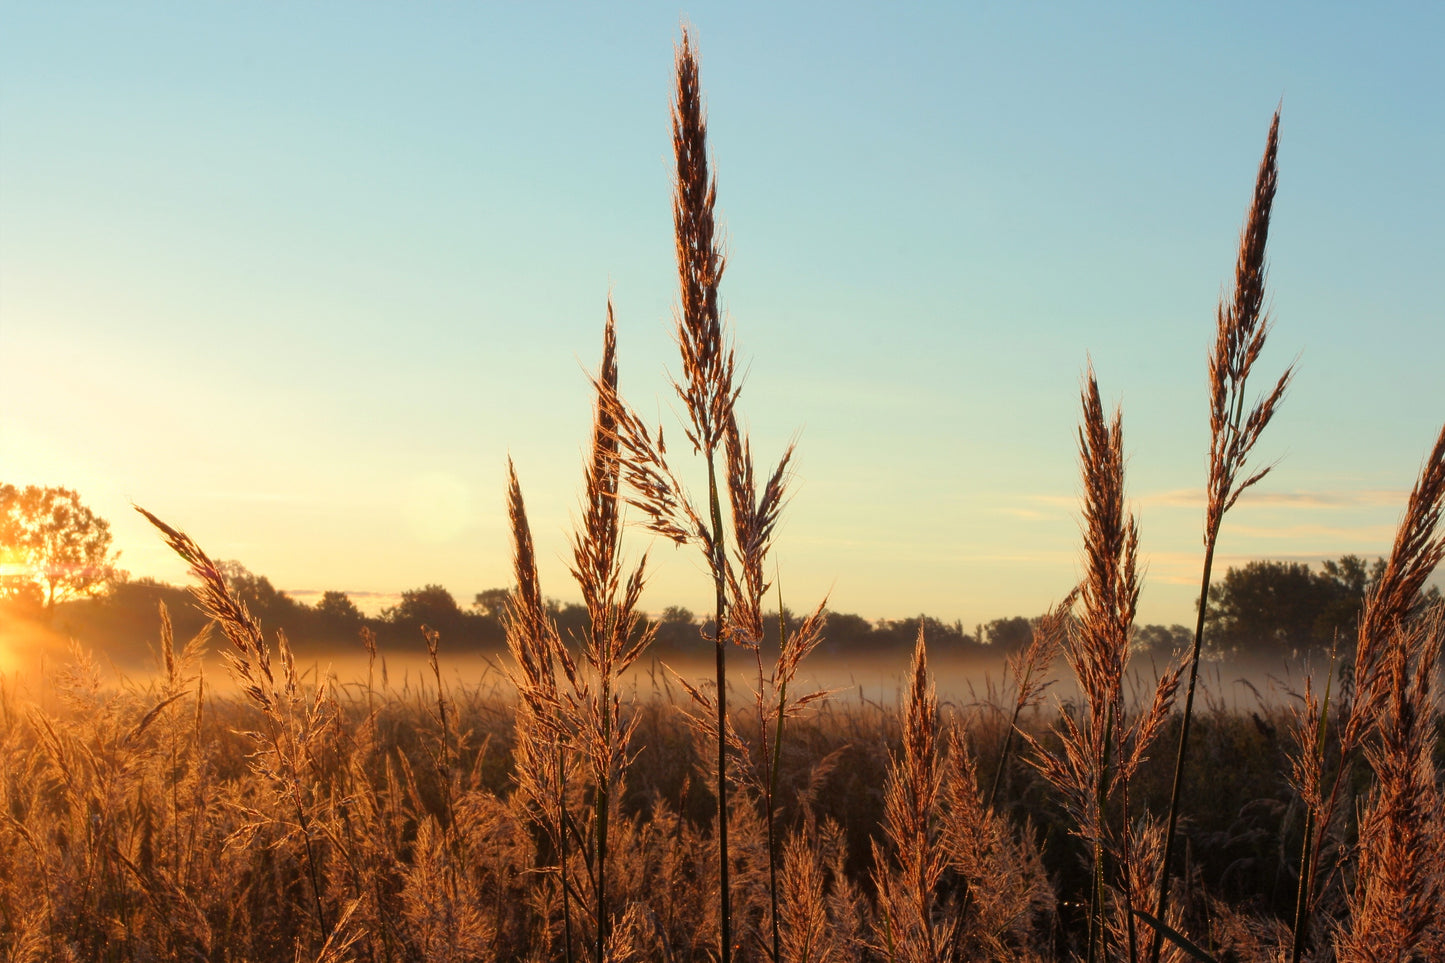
<point>10,629</point>
<point>15,571</point>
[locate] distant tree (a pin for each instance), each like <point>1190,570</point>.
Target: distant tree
<point>678,631</point>
<point>572,620</point>
<point>492,602</point>
<point>337,609</point>
<point>846,634</point>
<point>124,623</point>
<point>944,638</point>
<point>52,547</point>
<point>890,637</point>
<point>1009,635</point>
<point>429,605</point>
<point>1266,608</point>
<point>1284,608</point>
<point>1351,579</point>
<point>1162,641</point>
<point>273,607</point>
<point>21,595</point>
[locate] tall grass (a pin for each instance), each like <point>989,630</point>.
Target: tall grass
<point>582,720</point>
<point>175,860</point>
<point>292,724</point>
<point>708,388</point>
<point>1242,325</point>
<point>1103,749</point>
<point>1390,718</point>
<point>908,927</point>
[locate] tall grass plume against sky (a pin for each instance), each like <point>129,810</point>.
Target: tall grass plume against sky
<point>305,276</point>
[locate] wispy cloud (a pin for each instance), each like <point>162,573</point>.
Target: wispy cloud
<point>1183,568</point>
<point>1365,498</point>
<point>1382,535</point>
<point>893,550</point>
<point>1321,542</point>
<point>1029,514</point>
<point>1193,498</point>
<point>268,498</point>
<point>1179,498</point>
<point>1021,558</point>
<point>302,594</point>
<point>370,603</point>
<point>1055,501</point>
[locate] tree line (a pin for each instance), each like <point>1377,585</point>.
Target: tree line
<point>1265,609</point>
<point>59,569</point>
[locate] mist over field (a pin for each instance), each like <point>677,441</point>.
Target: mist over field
<point>30,649</point>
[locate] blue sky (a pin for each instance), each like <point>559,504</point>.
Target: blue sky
<point>298,278</point>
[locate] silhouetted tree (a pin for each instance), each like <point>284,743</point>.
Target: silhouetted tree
<point>271,606</point>
<point>572,621</point>
<point>337,611</point>
<point>51,542</point>
<point>1284,608</point>
<point>1352,578</point>
<point>124,623</point>
<point>846,634</point>
<point>429,605</point>
<point>1266,608</point>
<point>492,602</point>
<point>434,607</point>
<point>22,597</point>
<point>1005,636</point>
<point>1163,642</point>
<point>678,631</point>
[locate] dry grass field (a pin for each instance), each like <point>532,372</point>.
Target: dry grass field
<point>162,820</point>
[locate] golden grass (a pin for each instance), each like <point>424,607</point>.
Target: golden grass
<point>128,839</point>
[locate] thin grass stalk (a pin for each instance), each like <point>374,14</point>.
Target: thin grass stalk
<point>614,641</point>
<point>1100,750</point>
<point>1025,668</point>
<point>1098,927</point>
<point>724,898</point>
<point>563,857</point>
<point>1306,862</point>
<point>443,762</point>
<point>535,647</point>
<point>909,818</point>
<point>1127,871</point>
<point>1241,330</point>
<point>752,517</point>
<point>774,765</point>
<point>602,804</point>
<point>707,388</point>
<point>368,640</point>
<point>1003,757</point>
<point>600,541</point>
<point>302,818</point>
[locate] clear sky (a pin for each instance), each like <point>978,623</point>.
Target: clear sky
<point>298,277</point>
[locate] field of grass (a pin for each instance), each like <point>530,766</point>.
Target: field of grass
<point>572,815</point>
<point>159,820</point>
